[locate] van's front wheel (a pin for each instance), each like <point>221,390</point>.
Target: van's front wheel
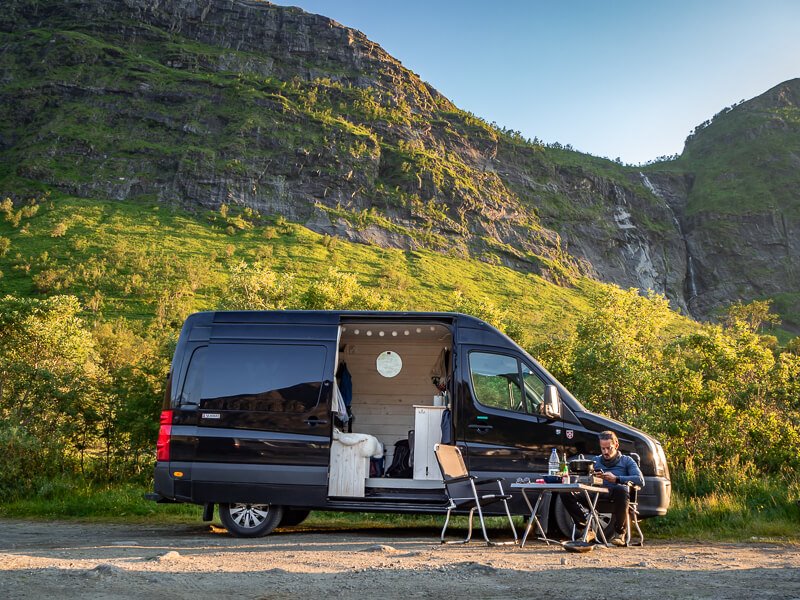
<point>250,520</point>
<point>564,520</point>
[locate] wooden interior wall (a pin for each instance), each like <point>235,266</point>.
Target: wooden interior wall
<point>384,407</point>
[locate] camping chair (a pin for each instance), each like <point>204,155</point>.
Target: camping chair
<point>462,493</point>
<point>632,518</point>
<point>633,509</point>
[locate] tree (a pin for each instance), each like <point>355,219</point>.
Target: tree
<point>617,351</point>
<point>753,316</point>
<point>50,378</point>
<point>337,290</point>
<point>257,287</point>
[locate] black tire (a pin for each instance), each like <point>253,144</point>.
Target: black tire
<point>564,523</point>
<point>293,516</point>
<point>250,520</point>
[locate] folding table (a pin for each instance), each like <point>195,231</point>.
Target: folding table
<point>590,493</point>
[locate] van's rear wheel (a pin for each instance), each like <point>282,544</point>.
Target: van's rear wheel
<point>293,516</point>
<point>250,520</point>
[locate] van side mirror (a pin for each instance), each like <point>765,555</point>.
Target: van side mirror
<point>551,407</point>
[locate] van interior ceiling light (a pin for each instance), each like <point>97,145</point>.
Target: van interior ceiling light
<point>405,332</point>
<point>356,331</point>
<point>380,333</point>
<point>394,334</point>
<point>419,329</point>
<point>369,333</point>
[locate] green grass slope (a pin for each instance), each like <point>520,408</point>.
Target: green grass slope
<point>746,159</point>
<point>149,262</point>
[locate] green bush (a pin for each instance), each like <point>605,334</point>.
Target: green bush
<point>27,461</point>
<point>337,290</point>
<point>717,398</point>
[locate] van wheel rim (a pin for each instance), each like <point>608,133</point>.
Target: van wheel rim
<point>249,516</point>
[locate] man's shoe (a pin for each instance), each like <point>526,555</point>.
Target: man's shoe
<point>618,540</point>
<point>590,535</point>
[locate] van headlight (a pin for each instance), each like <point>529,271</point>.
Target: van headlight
<point>661,462</point>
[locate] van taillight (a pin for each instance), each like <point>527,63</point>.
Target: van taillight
<point>164,432</point>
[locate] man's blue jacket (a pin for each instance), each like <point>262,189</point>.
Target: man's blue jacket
<point>623,466</point>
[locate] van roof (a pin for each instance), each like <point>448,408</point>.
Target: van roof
<point>328,317</point>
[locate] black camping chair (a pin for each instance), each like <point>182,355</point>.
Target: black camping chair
<point>632,518</point>
<point>462,493</point>
<point>633,509</point>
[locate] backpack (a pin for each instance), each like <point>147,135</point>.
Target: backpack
<point>401,461</point>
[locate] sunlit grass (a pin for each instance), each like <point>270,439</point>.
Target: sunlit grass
<point>729,516</point>
<point>127,259</point>
<point>717,516</point>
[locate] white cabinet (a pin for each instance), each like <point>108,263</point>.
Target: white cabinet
<point>427,432</point>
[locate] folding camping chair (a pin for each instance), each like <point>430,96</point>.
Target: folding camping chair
<point>462,493</point>
<point>633,509</point>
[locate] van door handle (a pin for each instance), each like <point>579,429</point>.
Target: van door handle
<point>480,428</point>
<point>313,421</point>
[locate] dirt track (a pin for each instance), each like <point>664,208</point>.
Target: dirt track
<point>77,560</point>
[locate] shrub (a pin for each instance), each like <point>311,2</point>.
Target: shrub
<point>257,287</point>
<point>336,290</point>
<point>25,457</point>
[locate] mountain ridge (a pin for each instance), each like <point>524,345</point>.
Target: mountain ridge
<point>200,104</point>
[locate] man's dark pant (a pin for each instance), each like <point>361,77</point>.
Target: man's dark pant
<point>618,498</point>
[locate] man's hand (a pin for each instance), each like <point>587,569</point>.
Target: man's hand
<point>607,476</point>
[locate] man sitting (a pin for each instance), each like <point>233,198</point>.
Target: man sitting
<point>617,470</point>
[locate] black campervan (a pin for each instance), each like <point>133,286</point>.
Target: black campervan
<point>271,414</point>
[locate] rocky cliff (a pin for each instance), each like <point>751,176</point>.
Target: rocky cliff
<point>203,103</point>
<point>742,213</point>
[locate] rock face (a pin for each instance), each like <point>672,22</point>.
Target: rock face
<point>742,211</point>
<point>199,103</point>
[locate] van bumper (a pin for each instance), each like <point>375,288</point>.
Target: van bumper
<point>163,484</point>
<point>654,497</point>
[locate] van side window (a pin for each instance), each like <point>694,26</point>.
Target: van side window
<point>495,380</point>
<point>534,390</point>
<point>193,382</point>
<point>263,378</point>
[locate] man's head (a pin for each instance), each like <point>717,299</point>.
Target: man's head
<point>609,444</point>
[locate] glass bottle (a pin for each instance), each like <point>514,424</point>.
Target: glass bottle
<point>553,464</point>
<point>564,470</point>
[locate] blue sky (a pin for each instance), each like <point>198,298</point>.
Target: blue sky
<point>613,78</point>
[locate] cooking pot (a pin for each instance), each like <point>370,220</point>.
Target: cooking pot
<point>581,465</point>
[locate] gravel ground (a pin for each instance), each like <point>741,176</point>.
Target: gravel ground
<point>67,560</point>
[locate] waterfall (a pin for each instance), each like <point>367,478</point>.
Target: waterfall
<point>691,281</point>
<point>690,271</point>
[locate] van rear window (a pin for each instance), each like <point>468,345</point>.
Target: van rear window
<point>192,383</point>
<point>263,378</point>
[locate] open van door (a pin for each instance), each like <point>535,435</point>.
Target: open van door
<point>509,418</point>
